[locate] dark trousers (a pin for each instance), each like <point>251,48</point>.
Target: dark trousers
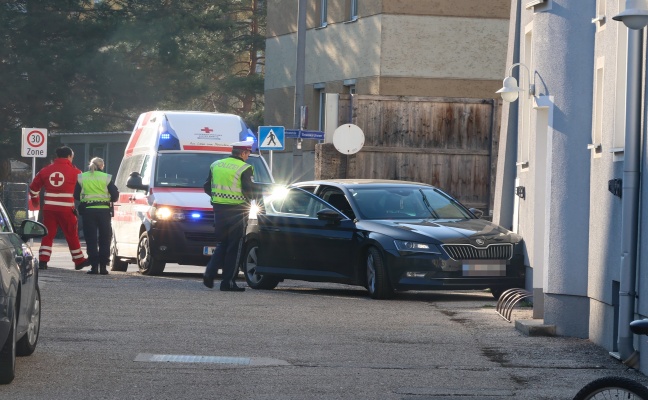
<point>98,233</point>
<point>229,224</point>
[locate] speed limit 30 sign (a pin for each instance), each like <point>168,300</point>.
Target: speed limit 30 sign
<point>34,142</point>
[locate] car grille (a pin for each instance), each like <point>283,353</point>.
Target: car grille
<point>200,237</point>
<point>470,252</point>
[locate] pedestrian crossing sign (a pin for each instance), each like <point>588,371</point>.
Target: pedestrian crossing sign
<point>271,138</point>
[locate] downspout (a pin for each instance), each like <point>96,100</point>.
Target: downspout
<point>630,199</point>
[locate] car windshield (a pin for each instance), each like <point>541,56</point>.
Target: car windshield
<point>392,202</point>
<point>190,170</point>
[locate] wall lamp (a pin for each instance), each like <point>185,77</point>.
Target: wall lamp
<point>635,15</point>
<point>511,90</point>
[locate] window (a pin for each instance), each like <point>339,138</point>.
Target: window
<point>525,103</point>
<point>597,120</point>
<point>323,13</point>
<point>321,109</point>
<point>350,86</point>
<point>618,140</point>
<point>599,18</point>
<point>5,223</point>
<point>295,203</point>
<point>353,10</point>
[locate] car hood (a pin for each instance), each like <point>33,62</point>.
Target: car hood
<point>184,198</point>
<point>442,230</point>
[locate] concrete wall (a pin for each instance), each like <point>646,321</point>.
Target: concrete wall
<point>443,48</point>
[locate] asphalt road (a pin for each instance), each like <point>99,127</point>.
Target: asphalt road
<point>127,336</point>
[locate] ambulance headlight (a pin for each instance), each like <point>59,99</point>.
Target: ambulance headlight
<point>167,213</point>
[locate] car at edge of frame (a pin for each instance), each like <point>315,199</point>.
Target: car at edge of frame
<point>385,235</point>
<point>19,292</point>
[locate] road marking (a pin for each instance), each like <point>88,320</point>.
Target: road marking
<point>254,361</point>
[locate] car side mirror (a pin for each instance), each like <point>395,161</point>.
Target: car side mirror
<point>476,212</point>
<point>329,215</point>
<point>135,182</point>
<point>31,230</point>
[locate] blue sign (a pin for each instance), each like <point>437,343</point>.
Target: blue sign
<point>304,134</point>
<point>271,138</point>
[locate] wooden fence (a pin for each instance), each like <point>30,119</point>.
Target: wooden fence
<point>447,142</point>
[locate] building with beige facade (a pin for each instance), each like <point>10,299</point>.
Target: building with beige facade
<point>426,48</point>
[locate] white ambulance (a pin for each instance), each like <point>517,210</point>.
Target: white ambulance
<point>163,214</point>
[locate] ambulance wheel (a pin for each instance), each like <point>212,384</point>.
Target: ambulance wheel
<point>116,264</point>
<point>146,262</point>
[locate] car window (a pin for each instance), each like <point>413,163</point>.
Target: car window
<point>191,169</point>
<point>337,199</point>
<point>5,222</point>
<point>391,202</point>
<point>295,202</point>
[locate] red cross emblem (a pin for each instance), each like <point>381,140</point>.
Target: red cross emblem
<point>56,179</point>
<point>207,130</point>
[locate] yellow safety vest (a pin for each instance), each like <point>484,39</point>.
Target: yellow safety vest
<point>94,189</point>
<point>226,181</point>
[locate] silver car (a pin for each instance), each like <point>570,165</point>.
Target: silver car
<point>19,293</point>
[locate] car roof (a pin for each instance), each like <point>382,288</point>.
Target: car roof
<point>360,182</point>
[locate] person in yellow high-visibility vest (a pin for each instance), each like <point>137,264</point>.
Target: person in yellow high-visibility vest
<point>231,188</point>
<point>95,191</point>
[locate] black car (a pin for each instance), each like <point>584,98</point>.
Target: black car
<point>380,234</point>
<point>19,293</point>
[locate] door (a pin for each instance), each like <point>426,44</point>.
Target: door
<point>296,243</point>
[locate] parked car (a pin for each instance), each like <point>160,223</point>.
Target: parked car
<point>384,235</point>
<point>19,293</point>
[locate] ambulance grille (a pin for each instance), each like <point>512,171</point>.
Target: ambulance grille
<point>470,252</point>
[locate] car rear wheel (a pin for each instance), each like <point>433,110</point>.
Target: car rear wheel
<point>27,344</point>
<point>115,263</point>
<point>147,263</point>
<point>8,355</point>
<point>254,280</point>
<point>377,279</point>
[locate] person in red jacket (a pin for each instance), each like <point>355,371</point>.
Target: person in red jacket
<point>58,179</point>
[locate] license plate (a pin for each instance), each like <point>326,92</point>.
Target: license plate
<point>208,250</point>
<point>491,269</point>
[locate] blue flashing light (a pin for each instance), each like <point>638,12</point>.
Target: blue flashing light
<point>195,215</point>
<point>165,136</point>
<point>250,139</point>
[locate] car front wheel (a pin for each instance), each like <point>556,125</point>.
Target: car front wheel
<point>254,280</point>
<point>148,264</point>
<point>27,344</point>
<point>377,279</point>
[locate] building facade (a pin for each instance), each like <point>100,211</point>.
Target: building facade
<point>568,181</point>
<point>448,48</point>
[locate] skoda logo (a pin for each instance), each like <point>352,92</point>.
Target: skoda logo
<point>480,242</point>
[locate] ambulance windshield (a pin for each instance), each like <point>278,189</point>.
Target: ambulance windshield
<point>190,170</point>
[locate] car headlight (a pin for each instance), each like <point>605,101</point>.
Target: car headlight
<point>167,213</point>
<point>408,247</point>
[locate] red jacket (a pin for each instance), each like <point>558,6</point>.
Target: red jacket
<point>58,179</point>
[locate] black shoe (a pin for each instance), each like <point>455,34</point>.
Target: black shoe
<point>207,281</point>
<point>93,271</point>
<point>42,265</point>
<point>231,288</point>
<point>82,265</point>
<point>103,270</point>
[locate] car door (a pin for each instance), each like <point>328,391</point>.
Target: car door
<point>295,243</point>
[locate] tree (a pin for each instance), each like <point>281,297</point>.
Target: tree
<point>81,65</point>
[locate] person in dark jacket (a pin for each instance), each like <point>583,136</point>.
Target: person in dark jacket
<point>96,191</point>
<point>231,188</point>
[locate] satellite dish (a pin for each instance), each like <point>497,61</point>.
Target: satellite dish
<point>348,139</point>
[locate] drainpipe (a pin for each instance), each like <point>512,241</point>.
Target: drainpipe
<point>630,199</point>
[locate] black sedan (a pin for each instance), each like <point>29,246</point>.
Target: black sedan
<point>384,235</point>
<point>19,293</point>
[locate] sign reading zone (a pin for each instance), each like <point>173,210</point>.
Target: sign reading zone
<point>34,142</point>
